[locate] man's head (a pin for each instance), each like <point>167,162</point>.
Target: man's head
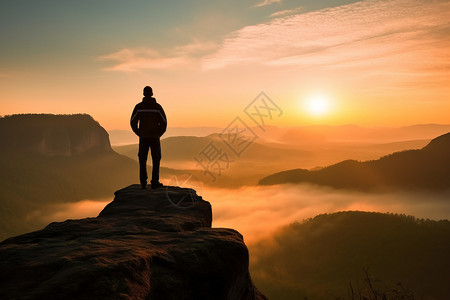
<point>148,91</point>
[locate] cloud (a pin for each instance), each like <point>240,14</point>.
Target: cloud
<point>287,12</point>
<point>131,60</point>
<point>257,212</point>
<point>137,59</point>
<point>62,211</point>
<point>399,34</point>
<point>267,2</point>
<point>403,42</point>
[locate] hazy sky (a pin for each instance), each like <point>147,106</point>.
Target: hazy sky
<point>375,62</point>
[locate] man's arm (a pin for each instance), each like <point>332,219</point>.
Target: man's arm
<point>134,121</point>
<point>165,119</point>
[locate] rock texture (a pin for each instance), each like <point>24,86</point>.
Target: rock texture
<point>146,244</point>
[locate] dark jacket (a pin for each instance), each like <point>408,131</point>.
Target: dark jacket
<point>151,118</point>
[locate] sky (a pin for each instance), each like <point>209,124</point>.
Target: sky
<point>369,63</point>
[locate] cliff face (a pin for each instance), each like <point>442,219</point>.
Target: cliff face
<point>53,135</point>
<point>146,244</point>
<point>49,159</point>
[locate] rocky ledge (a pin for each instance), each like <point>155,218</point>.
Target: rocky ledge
<point>146,244</point>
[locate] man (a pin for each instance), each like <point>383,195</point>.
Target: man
<point>149,122</point>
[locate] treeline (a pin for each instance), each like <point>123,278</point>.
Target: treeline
<point>322,256</point>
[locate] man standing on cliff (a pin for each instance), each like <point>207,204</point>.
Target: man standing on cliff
<point>149,122</point>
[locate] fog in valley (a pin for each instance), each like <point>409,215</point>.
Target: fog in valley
<point>257,211</point>
<point>292,244</point>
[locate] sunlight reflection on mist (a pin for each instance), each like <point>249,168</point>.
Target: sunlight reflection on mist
<point>258,211</point>
<point>62,212</point>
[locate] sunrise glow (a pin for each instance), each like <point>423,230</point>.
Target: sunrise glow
<point>318,104</point>
<point>258,149</point>
<point>207,62</point>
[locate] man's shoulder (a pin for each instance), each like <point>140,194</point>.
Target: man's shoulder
<point>138,105</point>
<point>159,106</point>
<point>148,105</point>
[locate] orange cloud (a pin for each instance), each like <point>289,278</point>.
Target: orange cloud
<point>283,13</point>
<point>132,60</point>
<point>383,35</point>
<point>267,2</point>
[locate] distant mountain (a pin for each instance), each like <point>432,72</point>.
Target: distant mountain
<point>262,158</point>
<point>186,147</point>
<point>301,135</point>
<point>327,255</point>
<point>329,133</point>
<point>253,163</point>
<point>52,135</point>
<point>49,159</point>
<point>190,145</point>
<point>124,137</point>
<point>427,169</point>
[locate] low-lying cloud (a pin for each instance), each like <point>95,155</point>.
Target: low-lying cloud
<point>63,211</point>
<point>259,211</point>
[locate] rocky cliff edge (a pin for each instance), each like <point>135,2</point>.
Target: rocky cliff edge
<point>146,244</point>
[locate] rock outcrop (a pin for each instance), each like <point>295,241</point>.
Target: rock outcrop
<point>53,135</point>
<point>146,244</point>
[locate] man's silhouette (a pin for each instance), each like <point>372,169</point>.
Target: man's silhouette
<point>149,122</point>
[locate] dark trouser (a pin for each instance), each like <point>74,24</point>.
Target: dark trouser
<point>155,146</point>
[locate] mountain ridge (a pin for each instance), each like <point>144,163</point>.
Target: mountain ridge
<point>53,135</point>
<point>427,169</point>
<point>47,159</point>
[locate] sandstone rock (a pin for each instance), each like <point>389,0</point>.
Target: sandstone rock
<point>146,244</point>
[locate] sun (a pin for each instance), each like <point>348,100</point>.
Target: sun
<point>317,104</point>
